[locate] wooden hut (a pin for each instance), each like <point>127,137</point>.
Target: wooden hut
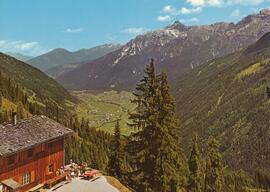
<point>31,151</point>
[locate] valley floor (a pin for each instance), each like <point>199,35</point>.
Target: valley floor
<point>104,108</point>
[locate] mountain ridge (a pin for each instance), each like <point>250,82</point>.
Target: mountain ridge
<point>61,57</point>
<point>176,48</point>
<point>19,56</point>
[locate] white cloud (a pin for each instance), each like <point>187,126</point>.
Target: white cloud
<point>28,48</point>
<point>168,9</point>
<point>17,45</point>
<point>75,30</point>
<point>172,11</point>
<point>222,3</point>
<point>248,2</point>
<point>190,20</point>
<point>215,3</point>
<point>134,30</point>
<point>185,10</point>
<point>24,46</point>
<point>164,18</point>
<point>196,3</point>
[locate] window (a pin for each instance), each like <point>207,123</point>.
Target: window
<point>26,178</point>
<point>11,159</point>
<point>50,168</point>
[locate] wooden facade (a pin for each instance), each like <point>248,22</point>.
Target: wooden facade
<point>35,161</point>
<point>33,165</point>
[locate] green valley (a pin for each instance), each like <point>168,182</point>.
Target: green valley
<point>102,109</point>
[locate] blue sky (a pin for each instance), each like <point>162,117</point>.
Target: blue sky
<point>33,27</point>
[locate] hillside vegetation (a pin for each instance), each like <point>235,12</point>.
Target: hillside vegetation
<point>42,92</point>
<point>226,97</point>
<point>27,91</point>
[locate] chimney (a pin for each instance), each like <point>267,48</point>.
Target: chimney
<point>14,114</point>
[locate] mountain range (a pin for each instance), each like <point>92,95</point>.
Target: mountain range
<point>60,60</point>
<point>177,49</point>
<point>19,56</point>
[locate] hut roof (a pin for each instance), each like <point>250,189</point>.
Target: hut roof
<point>28,133</point>
<point>11,183</point>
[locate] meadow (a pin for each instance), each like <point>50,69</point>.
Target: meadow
<point>104,108</point>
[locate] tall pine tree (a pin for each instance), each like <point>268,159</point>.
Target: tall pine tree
<point>214,167</point>
<point>143,122</point>
<point>117,157</point>
<point>169,158</point>
<point>195,179</point>
<point>155,143</point>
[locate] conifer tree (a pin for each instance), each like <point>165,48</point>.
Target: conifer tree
<point>1,100</point>
<point>20,110</point>
<point>213,177</point>
<point>268,91</point>
<point>155,142</point>
<point>169,158</point>
<point>143,122</point>
<point>116,158</point>
<point>195,178</point>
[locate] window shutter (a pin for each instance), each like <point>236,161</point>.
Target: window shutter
<point>20,179</point>
<point>47,170</point>
<point>54,168</point>
<point>32,176</point>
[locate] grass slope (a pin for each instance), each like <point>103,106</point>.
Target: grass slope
<point>117,184</point>
<point>103,109</point>
<point>227,98</point>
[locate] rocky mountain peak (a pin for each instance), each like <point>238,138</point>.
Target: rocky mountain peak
<point>265,11</point>
<point>178,26</point>
<point>255,18</point>
<point>173,48</point>
<point>59,50</point>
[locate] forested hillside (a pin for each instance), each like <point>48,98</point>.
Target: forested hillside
<point>152,158</point>
<point>27,91</point>
<point>19,56</point>
<point>41,91</point>
<point>227,98</point>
